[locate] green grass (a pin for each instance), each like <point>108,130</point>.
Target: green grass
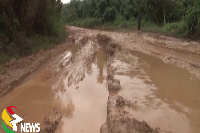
<point>176,29</point>
<point>87,23</point>
<point>46,42</point>
<point>4,58</point>
<point>38,43</point>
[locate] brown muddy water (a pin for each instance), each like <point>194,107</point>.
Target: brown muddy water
<point>34,99</point>
<point>87,100</point>
<point>165,96</point>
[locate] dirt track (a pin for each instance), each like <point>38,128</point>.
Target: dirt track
<point>183,53</point>
<point>128,91</point>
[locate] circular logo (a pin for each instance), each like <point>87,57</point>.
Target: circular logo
<point>8,121</point>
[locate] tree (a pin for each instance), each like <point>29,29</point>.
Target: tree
<point>192,18</point>
<point>109,14</point>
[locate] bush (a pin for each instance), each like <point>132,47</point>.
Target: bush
<point>109,14</point>
<point>176,28</point>
<point>23,33</point>
<point>192,19</point>
<point>88,22</point>
<point>119,19</point>
<point>122,22</point>
<point>150,26</point>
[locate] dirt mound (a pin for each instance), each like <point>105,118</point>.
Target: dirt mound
<point>107,44</point>
<point>51,122</point>
<point>118,120</point>
<point>113,85</point>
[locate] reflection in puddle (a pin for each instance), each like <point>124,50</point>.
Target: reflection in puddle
<point>101,63</point>
<point>168,98</point>
<point>89,99</point>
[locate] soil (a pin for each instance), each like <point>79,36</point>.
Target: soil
<point>14,72</point>
<point>108,82</point>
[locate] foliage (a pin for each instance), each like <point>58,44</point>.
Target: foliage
<point>172,16</point>
<point>153,10</point>
<point>88,23</point>
<point>24,19</point>
<point>192,18</point>
<point>109,14</point>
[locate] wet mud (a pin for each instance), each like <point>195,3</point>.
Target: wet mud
<point>34,99</point>
<point>89,102</point>
<point>17,71</point>
<point>104,82</point>
<point>178,92</point>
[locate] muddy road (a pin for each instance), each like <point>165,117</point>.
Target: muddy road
<point>107,82</point>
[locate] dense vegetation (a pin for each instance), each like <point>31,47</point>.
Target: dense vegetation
<point>174,17</point>
<point>28,25</point>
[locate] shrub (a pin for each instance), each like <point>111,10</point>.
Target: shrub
<point>119,19</point>
<point>88,22</point>
<point>176,28</point>
<point>109,14</point>
<point>19,30</point>
<point>192,18</point>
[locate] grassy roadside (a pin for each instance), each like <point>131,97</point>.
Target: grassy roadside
<point>37,43</point>
<point>176,29</point>
<point>46,42</point>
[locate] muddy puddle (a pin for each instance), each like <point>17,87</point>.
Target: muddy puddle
<point>163,95</point>
<point>34,99</point>
<point>86,101</point>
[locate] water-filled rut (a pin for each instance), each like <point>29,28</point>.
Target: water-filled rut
<point>88,99</point>
<point>163,95</point>
<point>97,85</point>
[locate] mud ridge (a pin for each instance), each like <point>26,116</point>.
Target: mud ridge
<point>118,120</point>
<point>51,122</point>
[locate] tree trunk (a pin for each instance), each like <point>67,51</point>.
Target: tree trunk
<point>155,17</point>
<point>164,18</point>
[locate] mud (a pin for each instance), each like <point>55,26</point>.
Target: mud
<point>177,92</point>
<point>108,46</point>
<point>182,53</point>
<point>51,122</point>
<point>108,82</point>
<point>14,72</point>
<point>81,90</point>
<point>34,99</point>
<point>89,104</point>
<point>119,120</point>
